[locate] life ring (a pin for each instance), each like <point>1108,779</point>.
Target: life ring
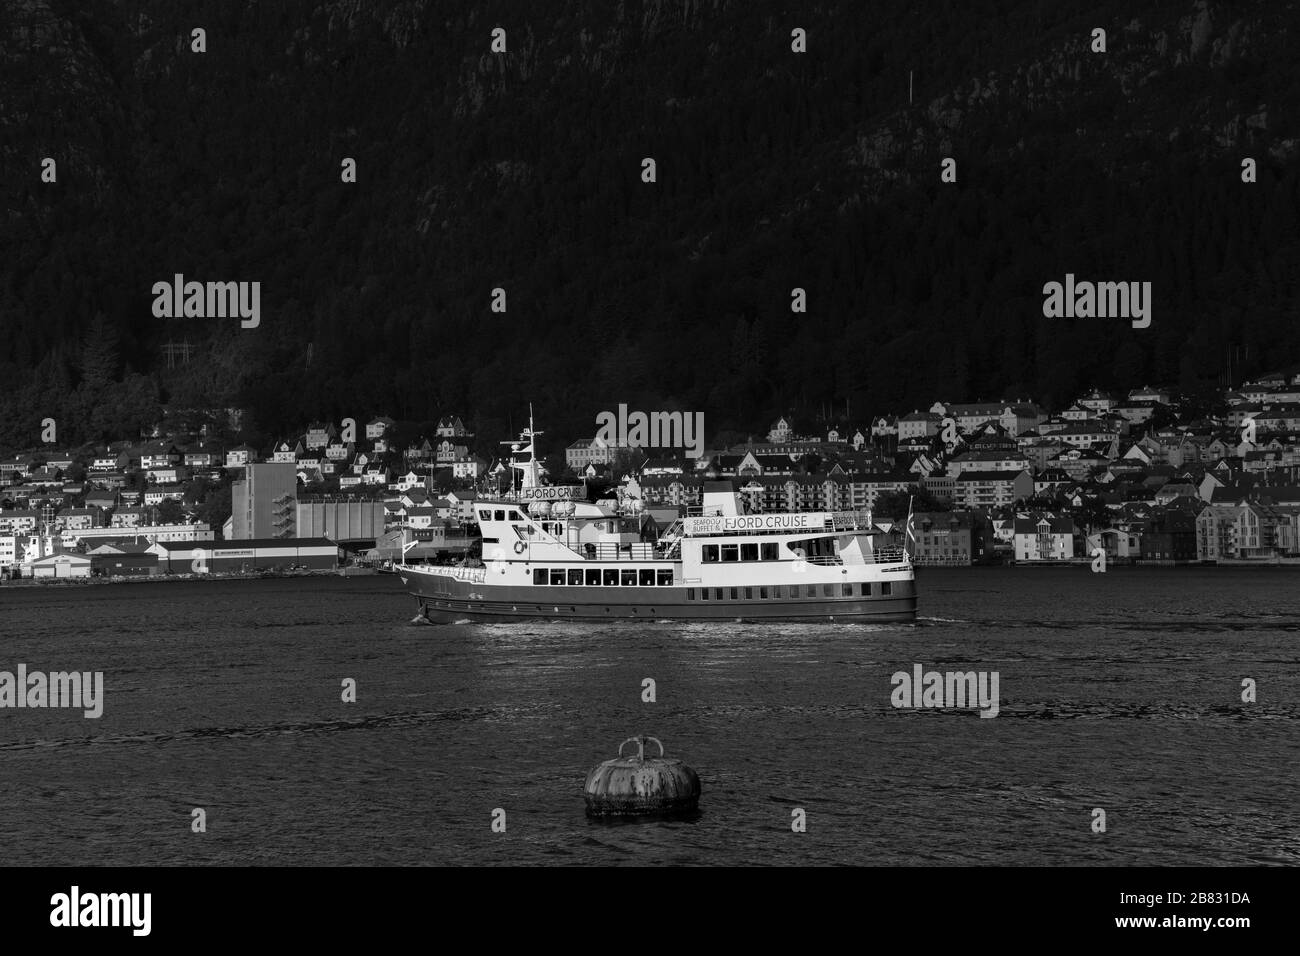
<point>520,547</point>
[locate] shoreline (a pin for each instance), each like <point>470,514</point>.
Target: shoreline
<point>350,572</point>
<point>174,578</point>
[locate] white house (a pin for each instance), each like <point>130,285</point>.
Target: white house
<point>240,455</point>
<point>319,434</point>
<point>1044,538</point>
<point>462,504</point>
<point>918,424</point>
<point>780,431</point>
<point>587,451</point>
<point>408,481</point>
<point>471,467</point>
<point>376,428</point>
<point>421,519</point>
<point>450,426</point>
<point>160,493</point>
<point>9,555</point>
<point>158,455</point>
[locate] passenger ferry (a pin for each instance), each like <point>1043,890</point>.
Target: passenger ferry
<point>553,552</point>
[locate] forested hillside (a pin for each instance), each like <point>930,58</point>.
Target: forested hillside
<point>522,170</point>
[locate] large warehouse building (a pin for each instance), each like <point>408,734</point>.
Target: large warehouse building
<point>340,519</point>
<point>252,554</point>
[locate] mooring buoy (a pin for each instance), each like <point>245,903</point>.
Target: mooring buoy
<point>639,786</point>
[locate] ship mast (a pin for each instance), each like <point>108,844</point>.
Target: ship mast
<point>531,470</point>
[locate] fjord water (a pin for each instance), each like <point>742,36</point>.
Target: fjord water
<point>1119,691</point>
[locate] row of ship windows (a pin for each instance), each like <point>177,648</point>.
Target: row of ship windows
<point>663,577</point>
<point>755,551</point>
<point>777,592</point>
<point>607,577</point>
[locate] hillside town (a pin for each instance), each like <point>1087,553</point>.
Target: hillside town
<point>1147,477</point>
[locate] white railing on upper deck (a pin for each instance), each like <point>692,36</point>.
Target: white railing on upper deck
<point>875,556</point>
<point>825,521</point>
<point>472,575</point>
<point>849,521</point>
<point>888,555</point>
<point>613,551</point>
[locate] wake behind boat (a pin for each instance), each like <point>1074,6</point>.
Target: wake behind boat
<point>554,552</point>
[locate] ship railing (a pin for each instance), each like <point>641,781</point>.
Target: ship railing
<point>875,556</point>
<point>850,521</point>
<point>834,521</point>
<point>614,551</point>
<point>472,575</point>
<point>941,560</point>
<point>887,555</point>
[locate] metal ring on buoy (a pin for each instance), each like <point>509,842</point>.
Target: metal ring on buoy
<point>520,547</point>
<point>640,746</point>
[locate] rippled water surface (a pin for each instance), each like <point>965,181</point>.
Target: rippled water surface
<point>1120,691</point>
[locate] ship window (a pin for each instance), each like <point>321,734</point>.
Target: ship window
<point>611,578</point>
<point>484,515</point>
<point>575,577</point>
<point>593,577</point>
<point>514,515</point>
<point>539,575</point>
<point>730,552</point>
<point>557,576</point>
<point>704,594</point>
<point>769,550</point>
<point>665,577</point>
<point>709,553</point>
<point>778,592</point>
<point>749,594</point>
<point>500,514</point>
<point>717,594</point>
<point>846,590</point>
<point>828,590</point>
<point>735,594</point>
<point>887,588</point>
<point>491,540</point>
<point>629,579</point>
<point>749,552</point>
<point>762,594</point>
<point>690,594</point>
<point>810,591</point>
<point>647,577</point>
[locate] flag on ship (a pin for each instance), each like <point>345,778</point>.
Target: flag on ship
<point>910,547</point>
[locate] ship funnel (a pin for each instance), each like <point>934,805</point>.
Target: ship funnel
<point>720,498</point>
